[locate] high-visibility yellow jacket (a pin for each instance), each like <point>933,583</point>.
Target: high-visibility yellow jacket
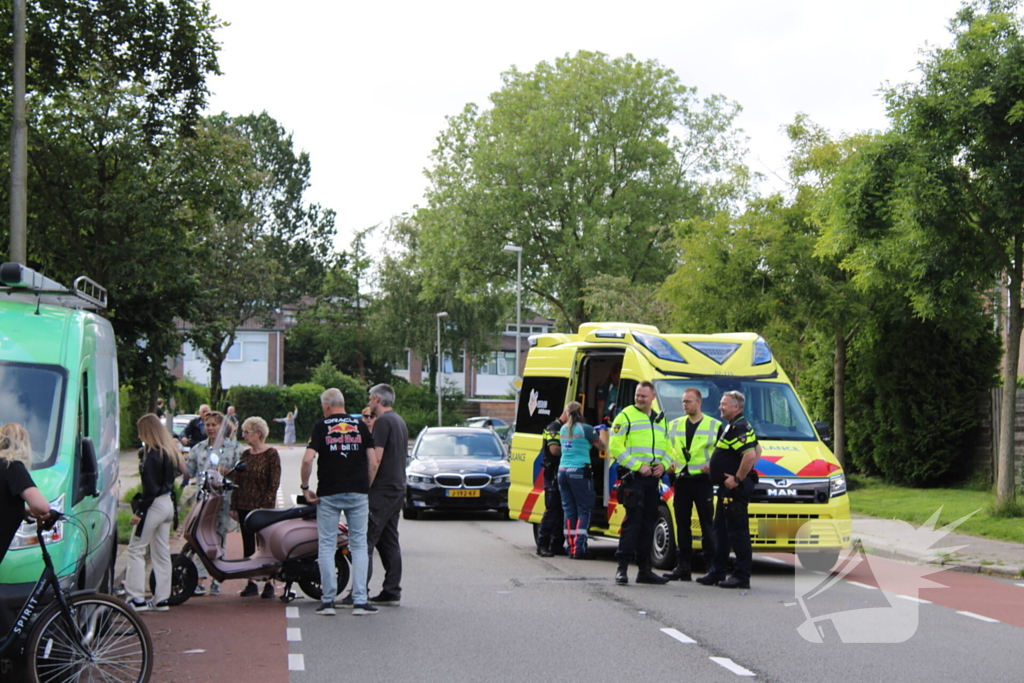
<point>638,439</point>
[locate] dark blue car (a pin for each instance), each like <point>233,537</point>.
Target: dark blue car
<point>457,468</point>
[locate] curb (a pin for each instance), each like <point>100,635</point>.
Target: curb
<point>965,566</point>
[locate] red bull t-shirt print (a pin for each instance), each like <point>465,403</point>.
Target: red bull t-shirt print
<point>341,443</point>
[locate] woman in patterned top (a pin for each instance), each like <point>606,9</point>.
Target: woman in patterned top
<point>257,488</point>
<point>220,441</point>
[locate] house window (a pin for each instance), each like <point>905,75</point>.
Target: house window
<point>455,364</point>
<point>499,363</point>
<point>235,352</point>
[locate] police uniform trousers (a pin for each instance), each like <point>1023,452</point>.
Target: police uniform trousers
<point>732,530</point>
<point>641,498</point>
<point>551,535</point>
<point>694,490</point>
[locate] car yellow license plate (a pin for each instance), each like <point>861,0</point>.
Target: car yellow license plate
<point>463,493</point>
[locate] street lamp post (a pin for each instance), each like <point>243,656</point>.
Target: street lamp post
<point>437,373</point>
<point>518,251</point>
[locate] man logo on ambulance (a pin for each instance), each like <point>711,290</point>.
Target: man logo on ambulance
<point>899,583</point>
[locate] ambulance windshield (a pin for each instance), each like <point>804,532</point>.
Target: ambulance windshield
<point>771,408</point>
<point>32,396</point>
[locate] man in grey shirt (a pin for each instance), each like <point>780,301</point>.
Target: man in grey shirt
<point>387,492</point>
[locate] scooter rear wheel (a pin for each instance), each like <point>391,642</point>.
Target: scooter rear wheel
<point>184,578</point>
<point>311,586</point>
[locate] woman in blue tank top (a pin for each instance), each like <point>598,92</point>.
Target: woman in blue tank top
<point>576,479</point>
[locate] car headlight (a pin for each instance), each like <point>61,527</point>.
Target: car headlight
<point>419,479</point>
<point>503,479</point>
<point>837,486</point>
<point>26,534</point>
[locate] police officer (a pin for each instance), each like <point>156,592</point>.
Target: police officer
<point>551,535</point>
<point>693,438</point>
<point>639,444</point>
<point>732,471</point>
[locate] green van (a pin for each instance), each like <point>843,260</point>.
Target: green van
<point>58,378</point>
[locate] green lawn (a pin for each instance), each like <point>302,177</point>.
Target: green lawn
<point>879,499</point>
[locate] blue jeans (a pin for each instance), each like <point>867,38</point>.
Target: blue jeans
<point>357,513</point>
<point>577,491</point>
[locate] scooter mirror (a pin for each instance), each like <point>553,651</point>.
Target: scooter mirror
<point>214,459</point>
<point>240,467</point>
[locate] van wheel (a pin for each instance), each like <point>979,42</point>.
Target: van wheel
<point>663,547</point>
<point>818,560</point>
<point>107,585</point>
<point>184,577</point>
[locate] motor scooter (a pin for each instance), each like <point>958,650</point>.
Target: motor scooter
<point>286,545</point>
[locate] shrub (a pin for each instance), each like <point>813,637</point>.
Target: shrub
<point>189,395</point>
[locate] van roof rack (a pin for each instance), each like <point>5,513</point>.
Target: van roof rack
<point>24,284</point>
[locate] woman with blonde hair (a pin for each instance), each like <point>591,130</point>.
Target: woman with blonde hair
<point>257,489</point>
<point>576,478</point>
<point>153,516</point>
<point>289,425</point>
<point>16,485</point>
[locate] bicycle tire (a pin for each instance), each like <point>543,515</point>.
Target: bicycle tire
<point>120,647</point>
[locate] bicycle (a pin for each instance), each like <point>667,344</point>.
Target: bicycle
<point>81,636</point>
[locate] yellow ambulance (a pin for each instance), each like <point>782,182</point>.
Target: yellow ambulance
<point>800,504</point>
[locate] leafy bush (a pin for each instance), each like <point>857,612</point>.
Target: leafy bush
<point>328,376</point>
<point>189,395</point>
<point>133,406</point>
<point>418,405</point>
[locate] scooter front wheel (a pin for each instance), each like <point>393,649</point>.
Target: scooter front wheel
<point>184,578</point>
<point>310,582</point>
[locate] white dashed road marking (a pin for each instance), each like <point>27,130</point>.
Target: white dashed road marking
<point>291,612</point>
<point>862,585</point>
<point>294,635</point>
<point>978,616</point>
<point>1021,585</point>
<point>681,637</point>
<point>732,666</point>
<point>296,663</point>
<point>912,599</point>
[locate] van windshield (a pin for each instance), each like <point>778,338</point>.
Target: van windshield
<point>771,408</point>
<point>33,396</point>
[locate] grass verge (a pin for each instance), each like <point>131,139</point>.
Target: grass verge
<point>870,496</point>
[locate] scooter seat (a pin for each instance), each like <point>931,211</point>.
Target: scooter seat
<point>261,519</point>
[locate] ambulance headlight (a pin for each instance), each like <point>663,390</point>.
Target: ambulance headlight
<point>837,486</point>
<point>26,534</point>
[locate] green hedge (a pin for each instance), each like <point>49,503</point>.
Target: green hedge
<point>270,402</point>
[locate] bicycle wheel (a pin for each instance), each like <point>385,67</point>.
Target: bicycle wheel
<point>107,642</point>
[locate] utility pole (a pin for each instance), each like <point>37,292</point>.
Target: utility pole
<point>18,252</point>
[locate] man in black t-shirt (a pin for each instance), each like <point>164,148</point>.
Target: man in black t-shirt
<point>387,492</point>
<point>343,444</point>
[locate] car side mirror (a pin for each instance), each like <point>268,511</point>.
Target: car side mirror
<point>823,431</point>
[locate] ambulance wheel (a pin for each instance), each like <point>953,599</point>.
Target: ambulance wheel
<point>663,547</point>
<point>818,560</point>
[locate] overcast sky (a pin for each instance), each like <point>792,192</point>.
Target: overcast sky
<point>364,87</point>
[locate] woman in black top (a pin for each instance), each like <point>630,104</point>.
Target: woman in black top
<point>153,516</point>
<point>16,485</point>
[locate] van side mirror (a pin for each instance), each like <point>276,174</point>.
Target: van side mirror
<point>87,471</point>
<point>823,431</point>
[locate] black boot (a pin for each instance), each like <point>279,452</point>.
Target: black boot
<point>544,552</point>
<point>645,575</point>
<point>680,573</point>
<point>621,577</point>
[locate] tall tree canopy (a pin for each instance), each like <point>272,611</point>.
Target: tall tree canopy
<point>934,208</point>
<point>586,163</point>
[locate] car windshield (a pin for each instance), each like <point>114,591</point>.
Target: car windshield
<point>482,446</point>
<point>33,396</point>
<point>771,408</point>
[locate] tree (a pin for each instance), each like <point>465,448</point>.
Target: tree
<point>259,245</point>
<point>110,88</point>
<point>585,163</point>
<point>762,270</point>
<point>934,209</point>
<point>404,314</point>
